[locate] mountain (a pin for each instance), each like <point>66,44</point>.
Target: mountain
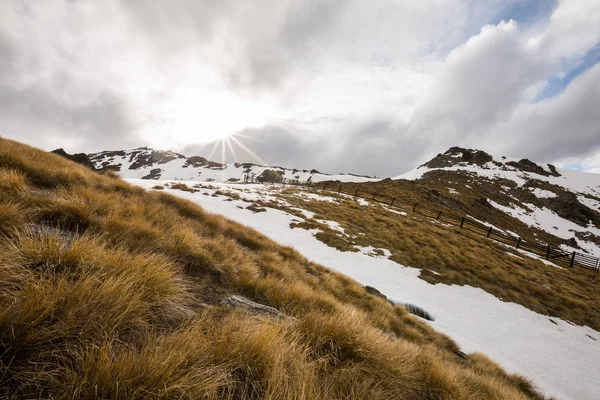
<point>113,291</point>
<point>146,163</point>
<point>536,201</point>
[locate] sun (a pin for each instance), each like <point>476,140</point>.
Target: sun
<point>201,117</point>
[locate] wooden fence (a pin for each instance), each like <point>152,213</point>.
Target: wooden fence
<point>554,254</point>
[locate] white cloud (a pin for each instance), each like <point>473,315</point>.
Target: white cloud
<point>371,87</point>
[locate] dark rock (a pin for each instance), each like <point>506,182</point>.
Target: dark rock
<point>375,292</point>
<point>484,202</point>
<point>568,207</point>
<point>154,174</point>
<point>456,155</point>
<point>79,158</point>
<point>145,159</point>
<point>573,243</point>
<point>250,306</point>
<point>270,176</point>
<point>588,237</point>
<point>526,165</point>
<point>195,161</point>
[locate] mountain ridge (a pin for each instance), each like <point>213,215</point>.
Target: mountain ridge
<point>148,163</point>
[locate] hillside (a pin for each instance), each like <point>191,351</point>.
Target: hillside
<point>416,260</point>
<point>110,291</point>
<point>146,163</point>
<point>538,202</point>
<point>531,315</point>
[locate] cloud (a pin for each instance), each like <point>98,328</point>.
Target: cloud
<point>561,127</point>
<point>341,86</point>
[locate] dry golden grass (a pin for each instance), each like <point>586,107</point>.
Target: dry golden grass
<point>450,255</point>
<point>109,291</point>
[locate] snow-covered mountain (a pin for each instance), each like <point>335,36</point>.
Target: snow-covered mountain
<point>521,171</point>
<point>562,203</point>
<point>147,163</point>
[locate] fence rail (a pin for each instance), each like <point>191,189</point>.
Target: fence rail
<point>554,254</point>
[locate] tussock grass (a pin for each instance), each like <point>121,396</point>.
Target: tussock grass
<point>109,291</point>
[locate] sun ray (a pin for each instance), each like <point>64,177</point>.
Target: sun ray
<point>249,137</point>
<point>223,159</point>
<point>247,150</point>
<point>235,157</point>
<point>212,152</point>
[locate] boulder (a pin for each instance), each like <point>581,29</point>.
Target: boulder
<point>250,306</point>
<point>270,176</point>
<point>375,292</point>
<point>79,158</point>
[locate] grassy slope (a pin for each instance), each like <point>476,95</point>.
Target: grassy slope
<point>107,291</point>
<point>450,255</point>
<point>461,192</point>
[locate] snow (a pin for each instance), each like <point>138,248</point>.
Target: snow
<point>318,197</point>
<point>560,358</point>
<point>453,191</point>
<point>332,225</point>
<point>371,251</point>
<point>591,203</point>
<point>543,194</point>
<point>175,170</point>
<point>547,220</point>
<point>574,181</point>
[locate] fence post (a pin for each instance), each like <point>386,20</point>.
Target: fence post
<point>439,215</point>
<point>572,260</point>
<point>518,242</point>
<point>340,189</point>
<point>548,252</point>
<point>462,222</point>
<point>324,187</point>
<point>393,200</point>
<point>415,207</point>
<point>374,194</point>
<point>490,231</point>
<point>356,193</point>
<point>598,265</point>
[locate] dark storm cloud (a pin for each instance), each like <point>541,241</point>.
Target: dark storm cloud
<point>46,107</point>
<point>259,44</point>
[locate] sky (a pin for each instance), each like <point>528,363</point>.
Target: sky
<point>370,87</point>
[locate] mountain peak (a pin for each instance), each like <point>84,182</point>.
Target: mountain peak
<point>461,157</point>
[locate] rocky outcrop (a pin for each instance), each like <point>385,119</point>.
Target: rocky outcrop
<point>568,207</point>
<point>270,176</point>
<point>154,174</point>
<point>460,156</point>
<point>526,165</point>
<point>250,306</point>
<point>456,155</point>
<point>79,158</point>
<point>154,157</point>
